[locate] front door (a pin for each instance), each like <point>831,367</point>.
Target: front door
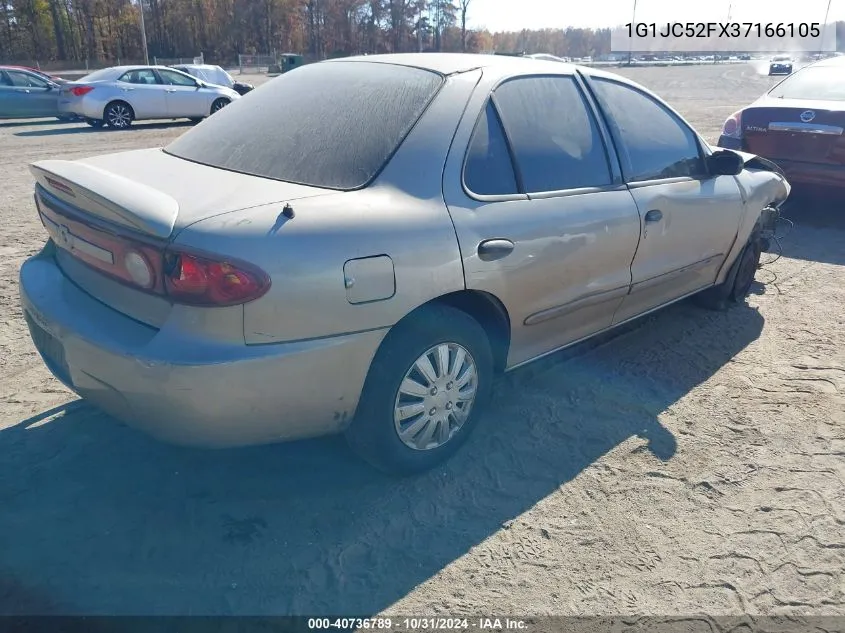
<point>184,96</point>
<point>544,223</point>
<point>35,97</point>
<point>688,218</point>
<point>142,89</point>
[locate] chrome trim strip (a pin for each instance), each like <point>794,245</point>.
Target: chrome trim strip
<point>809,128</point>
<point>585,301</point>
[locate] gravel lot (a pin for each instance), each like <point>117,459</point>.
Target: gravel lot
<point>693,464</point>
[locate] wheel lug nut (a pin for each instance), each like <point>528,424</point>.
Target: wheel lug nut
<point>448,405</point>
<point>449,386</point>
<point>433,391</point>
<point>433,411</point>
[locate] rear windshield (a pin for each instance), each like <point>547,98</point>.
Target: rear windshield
<point>331,125</point>
<point>826,83</point>
<point>97,75</point>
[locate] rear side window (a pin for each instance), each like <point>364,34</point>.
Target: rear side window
<point>556,143</point>
<point>653,143</point>
<point>331,124</point>
<point>489,170</point>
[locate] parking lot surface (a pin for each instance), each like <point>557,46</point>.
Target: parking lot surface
<point>695,463</point>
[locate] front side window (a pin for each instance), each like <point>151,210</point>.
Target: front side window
<point>25,80</point>
<point>652,142</point>
<point>172,78</point>
<point>489,170</point>
<point>556,143</point>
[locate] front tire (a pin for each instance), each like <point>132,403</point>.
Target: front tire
<point>95,123</point>
<point>219,104</point>
<point>118,115</point>
<point>738,282</point>
<point>424,393</point>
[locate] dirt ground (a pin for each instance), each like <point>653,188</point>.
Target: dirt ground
<point>692,465</point>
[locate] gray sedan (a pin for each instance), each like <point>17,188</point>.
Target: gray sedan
<point>120,95</point>
<point>363,243</point>
<point>25,94</point>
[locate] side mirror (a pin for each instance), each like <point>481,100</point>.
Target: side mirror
<point>724,162</point>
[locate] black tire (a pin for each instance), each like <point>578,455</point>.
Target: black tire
<point>219,104</point>
<point>118,115</point>
<point>738,282</point>
<point>196,119</point>
<point>373,434</point>
<point>95,123</point>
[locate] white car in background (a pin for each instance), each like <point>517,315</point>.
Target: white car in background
<point>119,95</point>
<point>215,75</point>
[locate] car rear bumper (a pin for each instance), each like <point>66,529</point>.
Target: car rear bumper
<point>200,393</point>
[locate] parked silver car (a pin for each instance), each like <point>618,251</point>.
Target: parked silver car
<point>360,245</point>
<point>120,95</point>
<point>27,95</point>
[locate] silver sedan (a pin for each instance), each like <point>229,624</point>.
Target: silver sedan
<point>363,243</point>
<point>120,95</point>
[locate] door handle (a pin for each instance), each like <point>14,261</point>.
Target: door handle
<point>22,90</point>
<point>127,89</point>
<point>171,90</point>
<point>655,215</point>
<point>490,250</point>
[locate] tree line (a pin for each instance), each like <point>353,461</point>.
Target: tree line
<point>107,31</point>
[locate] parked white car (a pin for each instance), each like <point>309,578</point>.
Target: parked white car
<point>119,95</point>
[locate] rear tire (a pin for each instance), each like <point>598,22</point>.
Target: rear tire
<point>441,416</point>
<point>95,123</point>
<point>196,119</point>
<point>118,115</point>
<point>738,282</point>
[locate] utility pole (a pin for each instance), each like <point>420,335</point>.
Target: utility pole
<point>824,28</point>
<point>634,26</point>
<point>144,33</point>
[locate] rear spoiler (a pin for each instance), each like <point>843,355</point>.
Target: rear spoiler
<point>108,195</point>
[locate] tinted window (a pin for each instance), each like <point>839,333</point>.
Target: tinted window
<point>489,170</point>
<point>143,76</point>
<point>172,78</point>
<point>555,141</point>
<point>25,80</point>
<point>332,124</point>
<point>816,82</point>
<point>652,142</point>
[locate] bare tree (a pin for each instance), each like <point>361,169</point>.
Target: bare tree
<point>464,7</point>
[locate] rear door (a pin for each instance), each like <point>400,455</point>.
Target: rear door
<point>184,96</point>
<point>543,221</point>
<point>689,218</point>
<point>36,97</point>
<point>143,90</point>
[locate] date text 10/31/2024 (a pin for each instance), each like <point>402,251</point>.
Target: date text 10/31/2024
<point>418,624</point>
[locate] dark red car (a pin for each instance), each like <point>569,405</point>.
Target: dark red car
<point>799,125</point>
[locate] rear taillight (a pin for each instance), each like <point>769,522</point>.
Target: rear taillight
<point>733,126</point>
<point>206,281</point>
<point>81,91</point>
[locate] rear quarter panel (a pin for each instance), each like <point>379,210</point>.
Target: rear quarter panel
<point>401,215</point>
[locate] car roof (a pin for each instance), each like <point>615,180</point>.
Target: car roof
<point>453,63</point>
<point>197,66</point>
<point>831,61</point>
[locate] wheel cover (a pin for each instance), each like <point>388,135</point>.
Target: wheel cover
<point>119,116</point>
<point>435,397</point>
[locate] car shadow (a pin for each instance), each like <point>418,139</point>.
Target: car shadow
<point>106,521</point>
<point>817,230</point>
<point>87,129</point>
<point>31,122</point>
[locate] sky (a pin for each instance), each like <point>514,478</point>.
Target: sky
<point>514,15</point>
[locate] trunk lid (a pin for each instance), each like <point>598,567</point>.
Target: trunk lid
<point>147,196</point>
<point>156,194</point>
<point>812,132</point>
